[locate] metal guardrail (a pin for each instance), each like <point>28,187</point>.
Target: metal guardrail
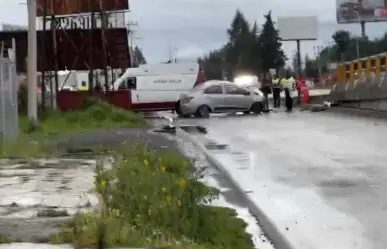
<point>9,118</point>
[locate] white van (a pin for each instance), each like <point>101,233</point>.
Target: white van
<point>158,87</point>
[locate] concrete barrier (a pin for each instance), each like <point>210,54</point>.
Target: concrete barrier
<point>363,94</point>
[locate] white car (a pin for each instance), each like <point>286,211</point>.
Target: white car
<point>217,96</point>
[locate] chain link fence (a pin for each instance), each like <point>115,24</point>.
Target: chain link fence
<point>9,118</point>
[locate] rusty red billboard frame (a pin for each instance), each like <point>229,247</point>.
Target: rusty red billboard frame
<point>69,7</point>
<point>74,49</point>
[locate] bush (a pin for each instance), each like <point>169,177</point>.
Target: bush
<point>151,199</point>
<point>36,140</point>
<point>97,115</point>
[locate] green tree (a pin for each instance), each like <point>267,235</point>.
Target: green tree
<point>271,47</point>
<point>239,47</point>
<point>342,40</point>
<point>213,64</point>
<point>311,69</point>
<point>255,55</point>
<point>138,57</point>
<point>295,62</point>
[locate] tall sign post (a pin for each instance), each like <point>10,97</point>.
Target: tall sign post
<point>32,63</point>
<point>302,28</point>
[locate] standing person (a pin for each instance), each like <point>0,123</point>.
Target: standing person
<point>266,90</point>
<point>288,86</point>
<point>277,92</point>
<point>292,81</point>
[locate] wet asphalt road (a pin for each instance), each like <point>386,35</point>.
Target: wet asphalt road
<point>322,177</point>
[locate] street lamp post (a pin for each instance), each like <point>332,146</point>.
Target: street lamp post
<point>32,63</point>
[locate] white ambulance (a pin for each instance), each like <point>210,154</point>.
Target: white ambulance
<point>158,87</point>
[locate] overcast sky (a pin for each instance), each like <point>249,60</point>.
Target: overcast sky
<point>193,27</point>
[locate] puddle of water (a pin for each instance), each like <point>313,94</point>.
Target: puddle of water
<point>194,129</point>
<point>30,187</point>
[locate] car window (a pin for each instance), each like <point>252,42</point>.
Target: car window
<point>123,85</point>
<point>231,89</point>
<point>217,89</point>
<point>132,83</point>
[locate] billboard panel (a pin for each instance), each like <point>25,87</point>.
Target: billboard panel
<point>68,7</point>
<point>83,21</point>
<point>74,49</point>
<point>298,28</point>
<point>355,11</point>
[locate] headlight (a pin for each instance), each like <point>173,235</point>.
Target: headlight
<point>244,80</point>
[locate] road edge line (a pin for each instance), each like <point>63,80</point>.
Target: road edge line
<point>271,231</point>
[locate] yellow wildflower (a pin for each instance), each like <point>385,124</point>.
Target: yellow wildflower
<point>103,184</point>
<point>116,212</point>
<point>146,163</point>
<point>163,169</point>
<point>164,190</point>
<point>182,182</point>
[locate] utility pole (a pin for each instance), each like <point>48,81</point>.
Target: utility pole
<point>131,31</point>
<point>32,63</point>
<point>175,55</point>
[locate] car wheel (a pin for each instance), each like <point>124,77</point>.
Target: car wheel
<point>203,112</point>
<point>256,108</point>
<point>177,108</point>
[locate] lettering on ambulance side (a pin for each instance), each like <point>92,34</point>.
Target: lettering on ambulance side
<point>167,81</point>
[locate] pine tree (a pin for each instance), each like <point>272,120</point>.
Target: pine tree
<point>138,58</point>
<point>238,49</point>
<point>255,56</point>
<point>241,54</point>
<point>271,47</point>
<point>212,65</point>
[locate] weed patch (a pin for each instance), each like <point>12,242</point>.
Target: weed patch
<point>41,140</point>
<point>4,239</point>
<point>152,198</point>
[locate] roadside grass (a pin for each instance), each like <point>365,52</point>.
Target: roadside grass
<point>40,141</point>
<point>4,239</point>
<point>152,198</point>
